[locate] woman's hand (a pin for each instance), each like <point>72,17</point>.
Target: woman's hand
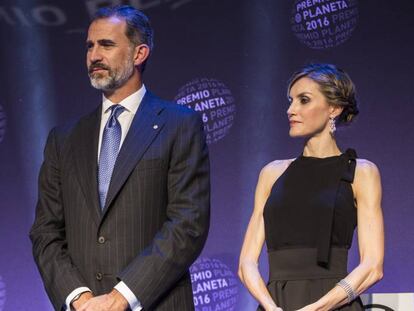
<point>311,307</point>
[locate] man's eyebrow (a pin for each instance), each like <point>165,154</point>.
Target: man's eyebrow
<point>106,42</point>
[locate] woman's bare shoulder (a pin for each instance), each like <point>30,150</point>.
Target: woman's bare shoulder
<point>366,167</point>
<point>366,173</point>
<point>271,171</point>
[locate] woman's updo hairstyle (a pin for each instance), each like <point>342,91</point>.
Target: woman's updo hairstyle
<point>335,85</point>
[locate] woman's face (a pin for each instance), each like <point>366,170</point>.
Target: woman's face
<point>309,111</point>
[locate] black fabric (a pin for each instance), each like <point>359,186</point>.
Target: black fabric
<point>312,205</point>
<point>296,281</point>
<point>309,213</point>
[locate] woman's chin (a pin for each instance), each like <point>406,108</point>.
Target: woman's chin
<point>293,133</point>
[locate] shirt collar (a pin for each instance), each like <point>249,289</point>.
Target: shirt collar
<point>130,103</point>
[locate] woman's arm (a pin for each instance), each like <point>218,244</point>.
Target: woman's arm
<point>367,190</point>
<point>253,241</point>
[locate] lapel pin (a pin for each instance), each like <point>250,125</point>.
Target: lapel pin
<point>155,126</point>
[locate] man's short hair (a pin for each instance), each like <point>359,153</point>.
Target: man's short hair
<point>138,30</point>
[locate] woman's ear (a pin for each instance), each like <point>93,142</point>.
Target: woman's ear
<point>336,110</point>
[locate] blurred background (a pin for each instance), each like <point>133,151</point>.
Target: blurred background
<point>230,60</point>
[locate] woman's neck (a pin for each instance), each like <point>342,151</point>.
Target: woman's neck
<point>321,147</point>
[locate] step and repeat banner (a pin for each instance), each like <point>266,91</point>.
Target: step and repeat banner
<point>229,60</point>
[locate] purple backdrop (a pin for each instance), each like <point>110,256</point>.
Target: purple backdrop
<point>230,60</point>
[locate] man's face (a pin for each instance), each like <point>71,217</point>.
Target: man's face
<point>110,54</point>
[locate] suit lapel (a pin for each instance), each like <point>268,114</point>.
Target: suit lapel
<point>146,125</point>
<point>85,140</point>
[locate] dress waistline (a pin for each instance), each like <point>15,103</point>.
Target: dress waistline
<point>301,264</point>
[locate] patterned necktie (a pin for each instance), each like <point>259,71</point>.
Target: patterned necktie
<point>111,139</point>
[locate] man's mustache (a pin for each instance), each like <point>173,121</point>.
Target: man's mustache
<point>94,66</point>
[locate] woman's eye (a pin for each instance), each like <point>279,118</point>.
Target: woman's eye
<point>304,100</point>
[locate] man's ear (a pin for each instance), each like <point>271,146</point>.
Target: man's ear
<point>141,53</point>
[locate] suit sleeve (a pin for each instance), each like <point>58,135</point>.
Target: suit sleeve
<point>60,276</point>
<point>180,240</point>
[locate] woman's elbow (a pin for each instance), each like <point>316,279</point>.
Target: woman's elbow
<point>373,267</point>
<point>376,273</point>
<point>240,273</point>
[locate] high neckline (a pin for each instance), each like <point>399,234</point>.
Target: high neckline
<point>349,153</point>
<point>319,158</point>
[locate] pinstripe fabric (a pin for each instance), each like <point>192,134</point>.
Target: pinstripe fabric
<point>155,220</point>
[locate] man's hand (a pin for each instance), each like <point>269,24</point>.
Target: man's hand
<point>84,297</point>
<point>113,301</point>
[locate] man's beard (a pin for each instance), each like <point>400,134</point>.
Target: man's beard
<point>114,79</point>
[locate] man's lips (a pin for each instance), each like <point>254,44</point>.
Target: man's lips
<point>97,69</point>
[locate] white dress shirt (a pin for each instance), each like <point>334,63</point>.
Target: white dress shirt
<point>131,104</point>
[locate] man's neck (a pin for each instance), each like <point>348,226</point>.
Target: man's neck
<point>130,87</point>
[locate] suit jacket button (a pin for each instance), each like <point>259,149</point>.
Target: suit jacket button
<point>101,240</point>
<point>99,276</point>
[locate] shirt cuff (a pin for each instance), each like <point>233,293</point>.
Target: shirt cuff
<point>133,302</point>
<point>73,294</point>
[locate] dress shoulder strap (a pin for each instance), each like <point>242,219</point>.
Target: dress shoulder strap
<point>349,171</point>
<point>345,171</point>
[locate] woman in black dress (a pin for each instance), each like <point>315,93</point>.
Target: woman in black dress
<point>306,209</point>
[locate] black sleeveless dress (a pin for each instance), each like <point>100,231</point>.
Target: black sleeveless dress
<point>310,218</point>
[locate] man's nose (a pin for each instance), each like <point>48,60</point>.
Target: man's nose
<point>94,54</point>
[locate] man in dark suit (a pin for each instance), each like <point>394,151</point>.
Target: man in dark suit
<point>124,193</point>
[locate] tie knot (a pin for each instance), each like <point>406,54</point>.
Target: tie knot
<point>116,110</point>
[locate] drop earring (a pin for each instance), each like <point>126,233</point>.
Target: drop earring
<point>332,125</point>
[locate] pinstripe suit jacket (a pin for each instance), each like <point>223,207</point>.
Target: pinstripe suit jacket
<point>156,217</point>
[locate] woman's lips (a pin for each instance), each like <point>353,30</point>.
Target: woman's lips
<point>293,123</point>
